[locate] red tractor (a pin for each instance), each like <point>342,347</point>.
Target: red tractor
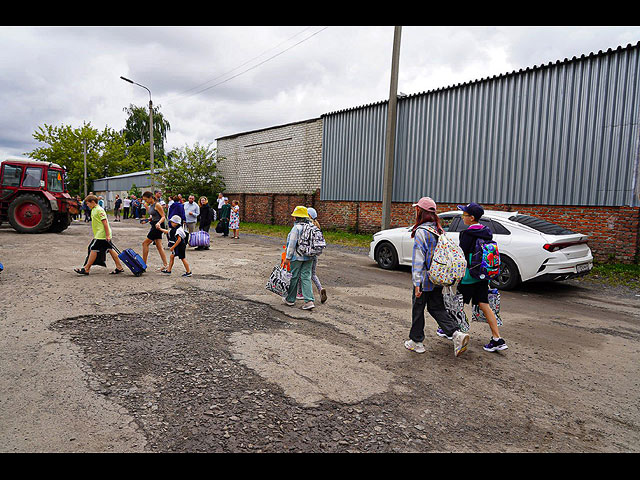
<point>34,197</point>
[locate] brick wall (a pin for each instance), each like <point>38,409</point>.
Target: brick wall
<point>614,232</point>
<point>286,162</point>
<point>285,159</point>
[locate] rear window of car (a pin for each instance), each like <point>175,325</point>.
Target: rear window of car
<point>541,225</point>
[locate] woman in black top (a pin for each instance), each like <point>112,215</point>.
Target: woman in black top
<point>206,217</point>
<point>156,214</point>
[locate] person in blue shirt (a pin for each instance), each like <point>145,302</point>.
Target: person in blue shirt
<point>177,208</point>
<point>425,293</point>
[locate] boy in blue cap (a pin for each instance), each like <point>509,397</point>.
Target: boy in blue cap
<point>474,289</point>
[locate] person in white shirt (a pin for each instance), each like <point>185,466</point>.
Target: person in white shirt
<point>126,203</point>
<point>220,203</point>
<point>191,212</point>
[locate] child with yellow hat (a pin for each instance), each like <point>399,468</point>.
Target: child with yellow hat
<point>300,265</point>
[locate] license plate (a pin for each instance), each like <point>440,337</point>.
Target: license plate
<point>585,267</point>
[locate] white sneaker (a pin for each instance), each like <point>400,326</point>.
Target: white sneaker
<point>308,306</point>
<point>460,342</point>
<point>417,347</point>
<point>284,300</point>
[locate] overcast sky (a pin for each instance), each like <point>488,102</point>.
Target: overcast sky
<point>215,81</point>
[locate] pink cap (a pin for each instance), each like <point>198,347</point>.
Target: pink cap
<point>426,203</point>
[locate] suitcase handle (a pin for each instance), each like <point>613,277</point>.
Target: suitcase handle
<point>115,248</point>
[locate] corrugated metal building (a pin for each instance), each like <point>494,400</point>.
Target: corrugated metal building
<point>109,187</point>
<point>565,133</point>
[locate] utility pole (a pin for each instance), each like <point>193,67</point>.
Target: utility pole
<point>390,139</point>
<point>84,144</point>
<point>153,182</point>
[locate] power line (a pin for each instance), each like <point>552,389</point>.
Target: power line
<point>259,64</point>
<point>243,64</point>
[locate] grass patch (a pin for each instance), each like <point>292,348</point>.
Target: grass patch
<point>618,274</point>
<point>333,236</point>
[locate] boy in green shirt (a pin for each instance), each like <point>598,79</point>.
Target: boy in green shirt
<point>101,242</point>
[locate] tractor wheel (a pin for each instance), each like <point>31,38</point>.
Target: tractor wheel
<point>60,223</point>
<point>30,214</point>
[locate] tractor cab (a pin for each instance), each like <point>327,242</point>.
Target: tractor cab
<point>34,197</point>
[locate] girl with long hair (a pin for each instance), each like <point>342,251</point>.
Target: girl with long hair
<point>425,293</point>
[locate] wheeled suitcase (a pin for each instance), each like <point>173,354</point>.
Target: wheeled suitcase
<point>199,239</point>
<point>132,260</point>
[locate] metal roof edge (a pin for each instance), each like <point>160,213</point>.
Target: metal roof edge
<point>310,120</point>
<point>600,53</point>
<point>124,175</point>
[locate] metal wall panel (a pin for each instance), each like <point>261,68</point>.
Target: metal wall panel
<point>561,134</point>
<point>353,154</point>
<point>122,183</point>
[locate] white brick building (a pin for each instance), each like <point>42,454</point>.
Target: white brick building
<point>285,159</point>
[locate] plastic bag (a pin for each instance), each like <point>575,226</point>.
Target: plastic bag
<point>279,281</point>
<point>454,303</point>
<point>494,303</point>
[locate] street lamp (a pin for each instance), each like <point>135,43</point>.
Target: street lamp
<point>150,125</point>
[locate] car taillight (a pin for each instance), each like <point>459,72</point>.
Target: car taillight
<point>554,247</point>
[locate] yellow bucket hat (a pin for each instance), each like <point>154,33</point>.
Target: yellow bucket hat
<point>300,212</point>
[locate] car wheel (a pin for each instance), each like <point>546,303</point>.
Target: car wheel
<point>386,256</point>
<point>509,277</point>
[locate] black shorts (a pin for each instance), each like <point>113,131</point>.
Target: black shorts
<point>475,292</point>
<point>181,250</point>
<point>154,233</point>
<point>98,245</point>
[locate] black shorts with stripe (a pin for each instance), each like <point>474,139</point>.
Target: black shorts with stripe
<point>100,245</point>
<point>154,233</point>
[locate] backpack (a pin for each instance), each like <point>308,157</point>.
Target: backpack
<point>310,241</point>
<point>175,234</point>
<point>485,260</point>
<point>448,264</point>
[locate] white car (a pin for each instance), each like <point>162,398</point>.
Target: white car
<point>531,249</point>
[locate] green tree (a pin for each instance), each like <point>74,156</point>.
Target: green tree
<point>107,153</point>
<point>135,191</point>
<point>136,129</point>
<point>192,170</point>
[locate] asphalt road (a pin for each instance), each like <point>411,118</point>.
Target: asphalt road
<point>217,363</point>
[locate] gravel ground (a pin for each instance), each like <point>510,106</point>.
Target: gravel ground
<point>215,363</point>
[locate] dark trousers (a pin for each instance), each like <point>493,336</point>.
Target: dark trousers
<point>125,212</point>
<point>434,303</point>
